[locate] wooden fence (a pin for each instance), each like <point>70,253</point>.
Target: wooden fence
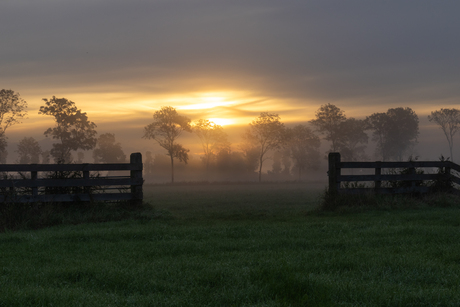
<point>411,180</point>
<point>72,182</point>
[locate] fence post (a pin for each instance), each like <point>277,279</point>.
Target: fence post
<point>86,189</point>
<point>34,177</point>
<point>378,172</point>
<point>136,190</point>
<point>334,172</point>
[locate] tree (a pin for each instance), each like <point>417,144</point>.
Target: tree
<point>148,163</point>
<point>29,151</point>
<point>353,138</point>
<point>107,150</point>
<point>73,130</point>
<point>265,133</point>
<point>167,126</point>
<point>80,156</point>
<point>46,157</point>
<point>328,121</point>
<point>449,121</point>
<point>212,137</point>
<point>395,132</point>
<point>3,151</point>
<point>12,110</point>
<point>304,148</point>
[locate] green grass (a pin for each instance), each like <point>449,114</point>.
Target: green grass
<point>239,245</point>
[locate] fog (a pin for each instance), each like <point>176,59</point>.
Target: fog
<point>431,145</point>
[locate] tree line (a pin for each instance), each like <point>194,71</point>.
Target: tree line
<point>291,149</point>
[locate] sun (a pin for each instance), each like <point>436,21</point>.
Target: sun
<point>207,103</point>
<point>222,121</point>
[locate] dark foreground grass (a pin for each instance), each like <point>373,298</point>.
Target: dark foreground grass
<point>374,258</point>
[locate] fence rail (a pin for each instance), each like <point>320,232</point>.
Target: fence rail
<point>412,180</point>
<point>22,183</point>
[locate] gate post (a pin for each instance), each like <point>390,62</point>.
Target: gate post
<point>136,178</point>
<point>334,173</point>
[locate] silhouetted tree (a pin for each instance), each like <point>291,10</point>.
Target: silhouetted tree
<point>328,121</point>
<point>212,137</point>
<point>449,121</point>
<point>73,130</point>
<point>265,133</point>
<point>395,132</point>
<point>353,140</point>
<point>167,126</point>
<point>12,110</point>
<point>28,151</point>
<point>108,150</point>
<point>304,148</point>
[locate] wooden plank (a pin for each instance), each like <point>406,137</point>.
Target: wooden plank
<point>30,183</point>
<point>385,190</point>
<point>404,177</point>
<point>68,198</point>
<point>70,167</point>
<point>395,164</point>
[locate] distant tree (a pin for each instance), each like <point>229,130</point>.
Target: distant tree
<point>449,121</point>
<point>80,156</point>
<point>167,126</point>
<point>73,130</point>
<point>108,150</point>
<point>212,137</point>
<point>233,164</point>
<point>395,132</point>
<point>304,148</point>
<point>148,163</point>
<point>46,157</point>
<point>276,165</point>
<point>250,155</point>
<point>353,140</point>
<point>28,151</point>
<point>286,161</point>
<point>12,109</point>
<point>265,133</point>
<point>328,122</point>
<point>3,151</point>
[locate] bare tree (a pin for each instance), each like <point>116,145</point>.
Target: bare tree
<point>304,148</point>
<point>265,133</point>
<point>29,151</point>
<point>327,122</point>
<point>167,126</point>
<point>449,121</point>
<point>212,137</point>
<point>73,130</point>
<point>108,150</point>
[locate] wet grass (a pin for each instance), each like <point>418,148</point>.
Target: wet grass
<point>240,249</point>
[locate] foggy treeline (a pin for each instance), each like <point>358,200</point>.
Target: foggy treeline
<point>267,150</point>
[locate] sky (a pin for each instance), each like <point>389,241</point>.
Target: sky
<point>227,61</point>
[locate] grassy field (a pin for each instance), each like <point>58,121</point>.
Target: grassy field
<point>239,245</point>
